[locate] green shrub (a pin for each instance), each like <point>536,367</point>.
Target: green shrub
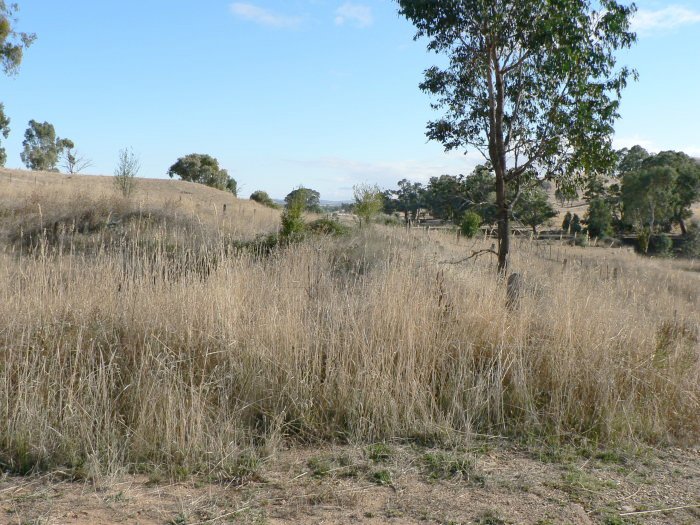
<point>660,244</point>
<point>690,247</point>
<point>293,224</point>
<point>261,197</point>
<point>643,240</point>
<point>470,224</point>
<point>566,224</point>
<point>327,226</point>
<point>575,226</point>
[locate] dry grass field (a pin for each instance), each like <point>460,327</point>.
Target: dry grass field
<point>141,339</point>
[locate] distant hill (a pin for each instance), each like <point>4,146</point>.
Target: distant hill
<point>30,196</point>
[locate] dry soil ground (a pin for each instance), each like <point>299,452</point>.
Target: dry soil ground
<point>493,482</point>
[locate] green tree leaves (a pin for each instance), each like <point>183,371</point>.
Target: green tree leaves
<point>531,84</point>
<point>203,169</point>
<point>42,147</point>
<point>309,199</point>
<point>12,43</point>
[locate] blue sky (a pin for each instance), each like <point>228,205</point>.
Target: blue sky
<point>322,93</point>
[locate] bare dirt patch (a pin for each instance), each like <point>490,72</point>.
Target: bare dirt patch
<point>486,484</point>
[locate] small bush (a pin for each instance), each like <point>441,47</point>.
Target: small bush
<point>379,452</point>
<point>328,227</point>
<point>125,173</point>
<point>293,224</point>
<point>660,244</point>
<point>690,247</point>
<point>643,240</point>
<point>470,224</point>
<point>381,477</point>
<point>261,197</point>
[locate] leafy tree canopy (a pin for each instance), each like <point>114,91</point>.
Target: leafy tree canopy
<point>12,43</point>
<point>407,199</point>
<point>531,84</point>
<point>659,190</point>
<point>203,169</point>
<point>4,131</point>
<point>263,198</point>
<point>42,147</point>
<point>533,208</point>
<point>311,199</point>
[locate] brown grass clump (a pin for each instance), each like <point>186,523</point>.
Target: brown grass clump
<point>125,357</point>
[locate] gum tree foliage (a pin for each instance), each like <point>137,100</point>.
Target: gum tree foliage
<point>531,84</point>
<point>407,199</point>
<point>12,45</point>
<point>659,190</point>
<point>445,198</point>
<point>41,147</point>
<point>533,208</point>
<point>12,42</point>
<point>311,199</point>
<point>203,169</point>
<point>262,197</point>
<point>4,131</point>
<point>599,218</point>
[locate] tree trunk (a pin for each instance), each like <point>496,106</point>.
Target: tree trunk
<point>503,223</point>
<point>684,229</point>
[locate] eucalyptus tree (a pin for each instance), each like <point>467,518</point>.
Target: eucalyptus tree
<point>531,84</point>
<point>12,42</point>
<point>12,45</point>
<point>4,131</point>
<point>41,147</point>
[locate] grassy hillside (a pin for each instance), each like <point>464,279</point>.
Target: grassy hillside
<point>151,339</point>
<point>37,200</point>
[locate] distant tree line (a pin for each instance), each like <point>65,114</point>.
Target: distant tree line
<point>470,198</point>
<point>646,195</point>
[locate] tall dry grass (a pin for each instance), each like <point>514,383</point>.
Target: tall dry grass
<point>130,356</point>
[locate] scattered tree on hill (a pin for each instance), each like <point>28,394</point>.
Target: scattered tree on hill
<point>445,197</point>
<point>659,190</point>
<point>531,85</point>
<point>686,183</point>
<point>311,199</point>
<point>630,160</point>
<point>125,173</point>
<point>566,194</point>
<point>368,201</point>
<point>261,197</point>
<point>575,228</point>
<point>203,169</point>
<point>599,218</point>
<point>480,195</point>
<point>407,199</point>
<point>566,223</point>
<point>4,131</point>
<point>12,43</point>
<point>42,148</point>
<point>533,208</point>
<point>74,161</point>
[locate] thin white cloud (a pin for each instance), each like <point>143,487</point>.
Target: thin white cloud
<point>648,21</point>
<point>635,140</point>
<point>264,17</point>
<point>356,14</point>
<point>347,172</point>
